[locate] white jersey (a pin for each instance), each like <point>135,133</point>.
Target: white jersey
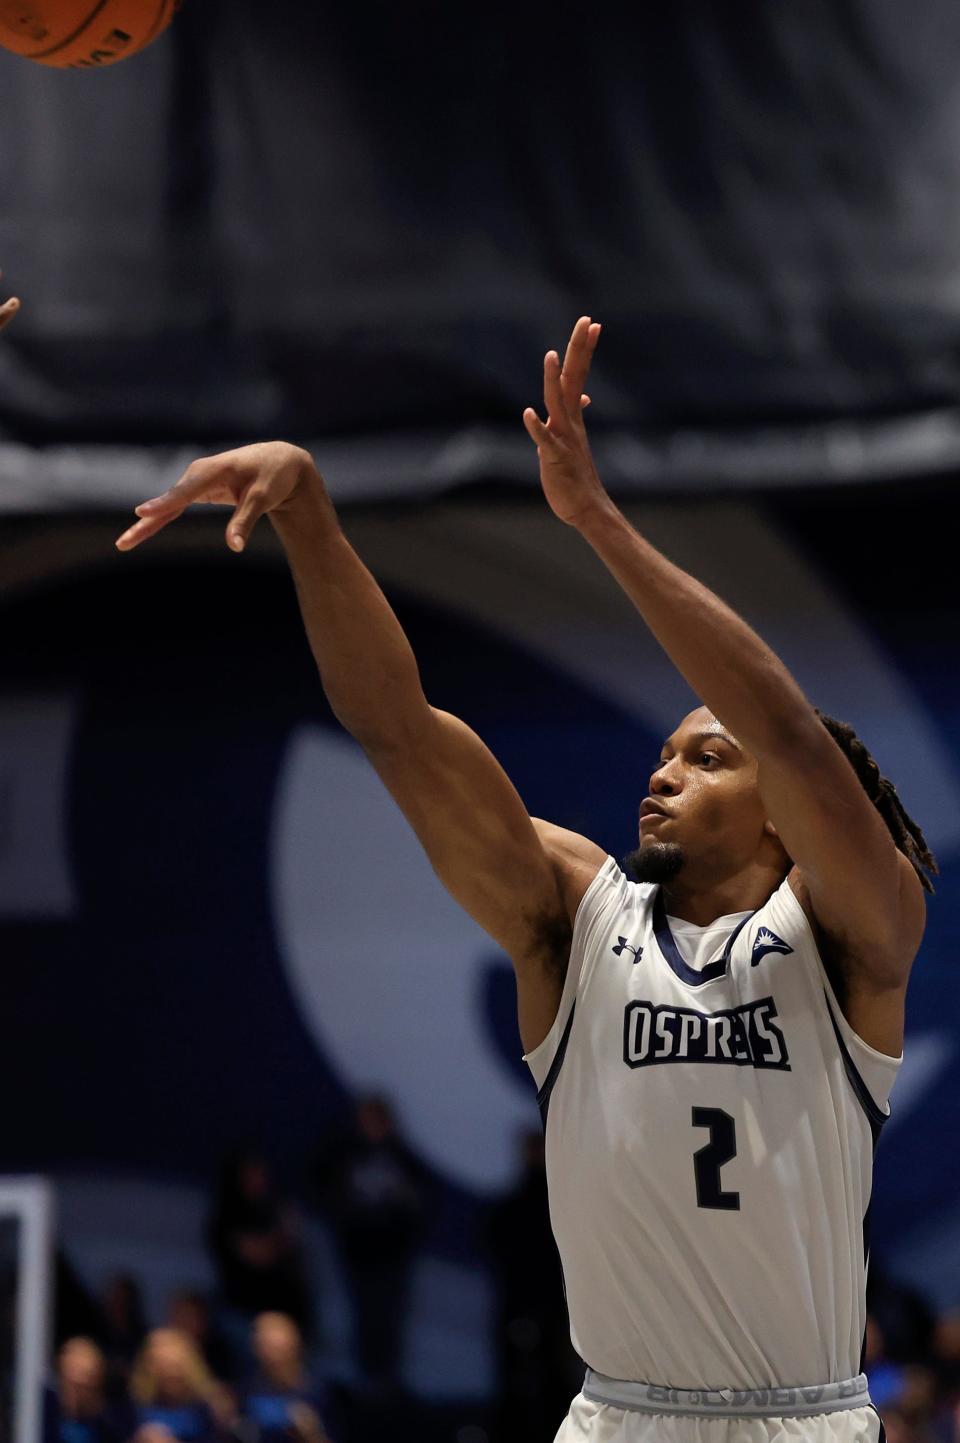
<point>710,1137</point>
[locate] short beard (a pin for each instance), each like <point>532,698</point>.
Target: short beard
<point>656,862</point>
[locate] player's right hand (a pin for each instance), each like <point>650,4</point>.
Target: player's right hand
<point>8,310</point>
<point>253,480</point>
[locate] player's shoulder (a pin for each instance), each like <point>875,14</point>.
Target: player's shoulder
<point>579,864</point>
<point>568,848</point>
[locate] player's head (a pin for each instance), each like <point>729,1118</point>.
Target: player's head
<point>704,815</point>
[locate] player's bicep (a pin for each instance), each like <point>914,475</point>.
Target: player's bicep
<point>849,863</point>
<point>477,834</point>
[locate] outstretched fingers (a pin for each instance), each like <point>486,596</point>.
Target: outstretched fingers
<point>540,434</point>
<point>154,516</point>
<point>553,397</point>
<point>563,384</point>
<point>159,511</point>
<point>576,362</point>
<point>252,506</point>
<point>8,310</point>
<point>536,430</point>
<point>142,531</point>
<point>196,484</point>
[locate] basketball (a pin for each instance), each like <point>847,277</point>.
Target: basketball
<point>82,34</point>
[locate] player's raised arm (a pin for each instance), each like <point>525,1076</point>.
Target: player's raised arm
<point>8,310</point>
<point>860,889</point>
<point>459,801</point>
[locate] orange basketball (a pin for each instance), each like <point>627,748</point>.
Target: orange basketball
<point>82,34</point>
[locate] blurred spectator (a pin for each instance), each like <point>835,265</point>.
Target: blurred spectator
<point>171,1387</point>
<point>123,1329</point>
<point>918,1400</point>
<point>281,1402</point>
<point>78,1410</point>
<point>189,1313</point>
<point>903,1427</point>
<point>903,1315</point>
<point>252,1236</point>
<point>375,1191</point>
<point>885,1377</point>
<point>898,1428</point>
<point>539,1371</point>
<point>75,1311</point>
<point>905,1392</point>
<point>946,1346</point>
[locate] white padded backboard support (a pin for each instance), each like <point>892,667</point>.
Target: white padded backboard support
<point>29,1200</point>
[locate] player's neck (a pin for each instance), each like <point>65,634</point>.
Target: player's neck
<point>701,900</point>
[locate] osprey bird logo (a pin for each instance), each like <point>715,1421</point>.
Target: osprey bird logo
<point>767,941</point>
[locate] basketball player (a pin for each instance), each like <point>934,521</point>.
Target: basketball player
<point>715,1041</point>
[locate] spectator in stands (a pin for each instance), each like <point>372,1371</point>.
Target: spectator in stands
<point>281,1402</point>
<point>189,1313</point>
<point>906,1392</point>
<point>253,1237</point>
<point>947,1354</point>
<point>76,1313</point>
<point>902,1426</point>
<point>123,1329</point>
<point>78,1410</point>
<point>171,1387</point>
<point>886,1378</point>
<point>898,1429</point>
<point>538,1366</point>
<point>903,1314</point>
<point>375,1192</point>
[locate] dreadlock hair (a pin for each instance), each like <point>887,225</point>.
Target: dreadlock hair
<point>881,791</point>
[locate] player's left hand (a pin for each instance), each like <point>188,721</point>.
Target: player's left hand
<point>8,310</point>
<point>567,473</point>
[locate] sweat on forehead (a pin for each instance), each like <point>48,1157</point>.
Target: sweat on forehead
<point>698,725</point>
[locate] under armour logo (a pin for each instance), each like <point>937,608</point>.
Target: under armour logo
<point>767,941</point>
<point>625,947</point>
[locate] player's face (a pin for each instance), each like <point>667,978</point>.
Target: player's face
<point>703,796</point>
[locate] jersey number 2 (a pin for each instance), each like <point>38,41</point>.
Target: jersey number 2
<point>710,1159</point>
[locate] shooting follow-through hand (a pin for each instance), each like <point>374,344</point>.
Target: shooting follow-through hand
<point>567,473</point>
<point>8,310</point>
<point>253,480</point>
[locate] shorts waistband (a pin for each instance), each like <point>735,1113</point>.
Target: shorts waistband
<point>795,1402</point>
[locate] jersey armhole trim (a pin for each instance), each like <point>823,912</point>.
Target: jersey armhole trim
<point>543,1096</point>
<point>571,984</point>
<point>875,1114</point>
<point>607,871</point>
<point>884,1058</point>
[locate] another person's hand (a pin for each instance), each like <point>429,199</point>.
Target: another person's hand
<point>253,480</point>
<point>567,473</point>
<point>8,310</point>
